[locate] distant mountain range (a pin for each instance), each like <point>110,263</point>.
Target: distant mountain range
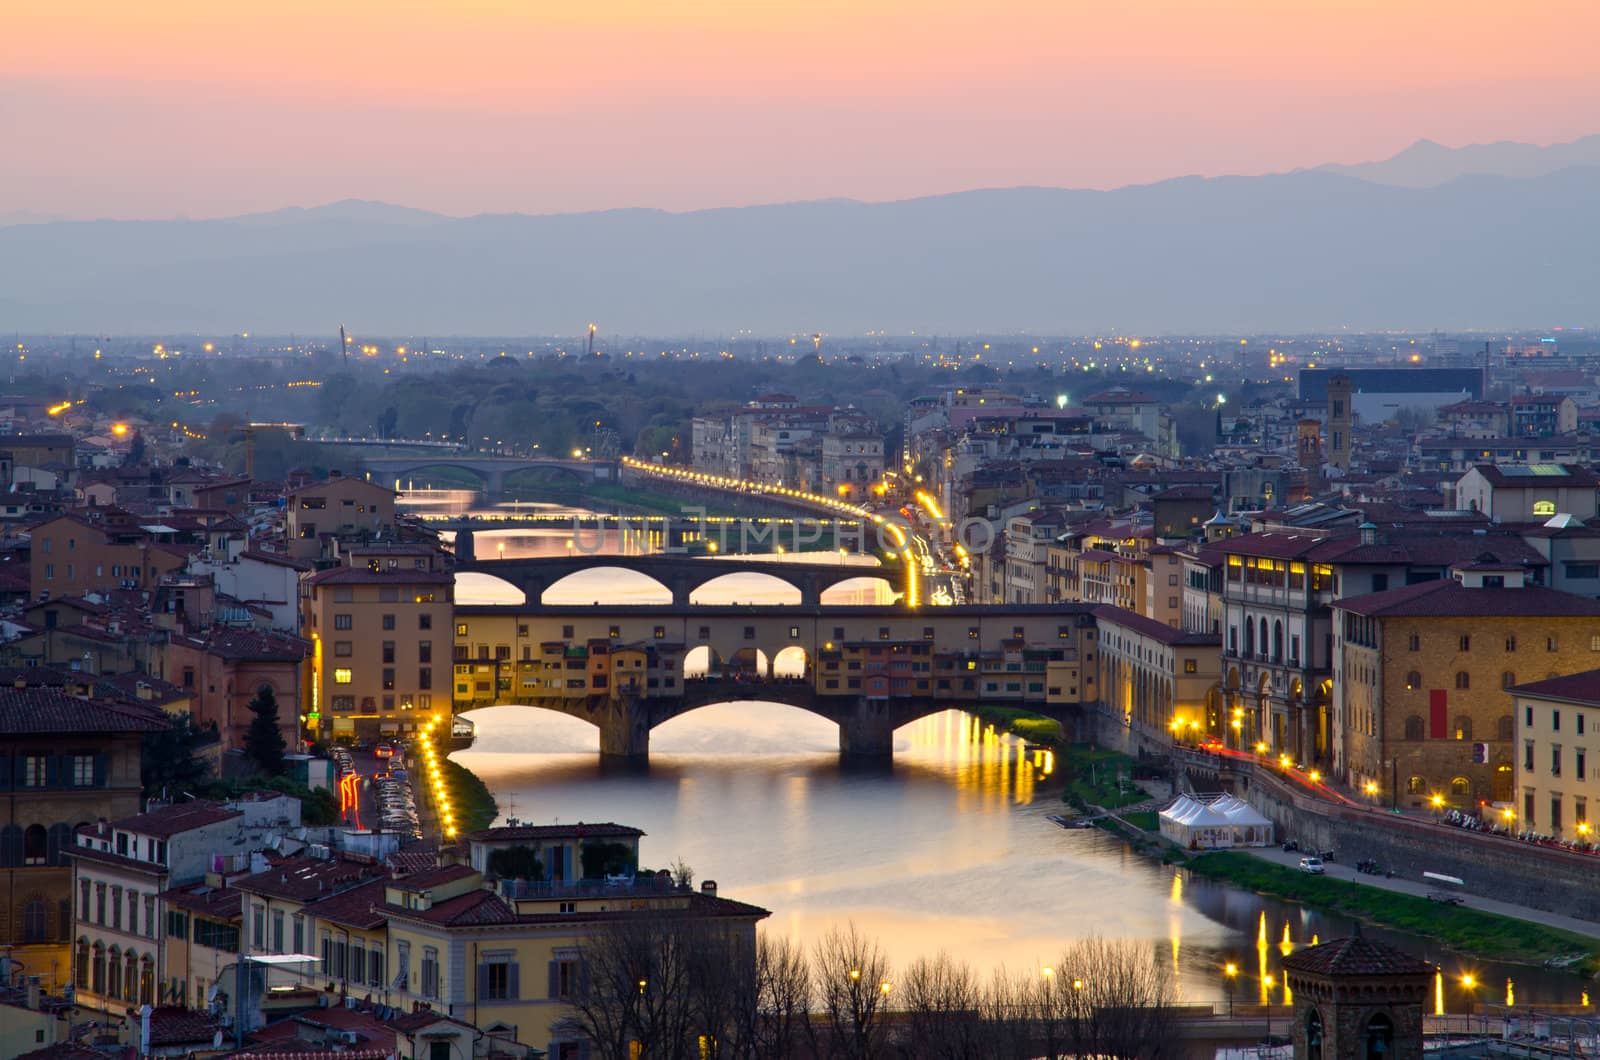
<point>1415,242</point>
<point>1426,164</point>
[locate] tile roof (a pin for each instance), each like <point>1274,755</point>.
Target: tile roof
<point>434,876</point>
<point>1354,956</point>
<point>172,820</point>
<point>219,903</point>
<point>1447,597</point>
<point>45,710</point>
<point>355,907</point>
<point>66,1051</point>
<point>367,576</point>
<point>171,1025</point>
<point>479,908</point>
<point>1574,688</point>
<point>581,830</point>
<point>1159,631</point>
<point>306,878</point>
<point>253,645</point>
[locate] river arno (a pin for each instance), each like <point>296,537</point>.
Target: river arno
<point>947,849</point>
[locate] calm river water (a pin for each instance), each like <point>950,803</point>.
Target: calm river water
<point>949,848</point>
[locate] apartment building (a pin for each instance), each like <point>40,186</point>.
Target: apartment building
<point>1422,677</point>
<point>373,634</point>
<point>97,550</point>
<point>514,958</point>
<point>1557,777</point>
<point>317,514</point>
<point>65,759</point>
<point>224,669</point>
<point>120,869</point>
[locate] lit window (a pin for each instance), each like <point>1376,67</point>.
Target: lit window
<point>341,677</point>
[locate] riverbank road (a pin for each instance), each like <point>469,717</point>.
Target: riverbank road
<point>1401,885</point>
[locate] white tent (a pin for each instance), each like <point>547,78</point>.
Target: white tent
<point>1250,827</point>
<point>1191,823</point>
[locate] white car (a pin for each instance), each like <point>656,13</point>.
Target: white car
<point>1312,866</point>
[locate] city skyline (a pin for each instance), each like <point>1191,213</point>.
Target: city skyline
<point>490,109</point>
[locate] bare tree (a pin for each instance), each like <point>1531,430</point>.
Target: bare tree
<point>662,986</point>
<point>851,977</point>
<point>942,1003</point>
<point>1118,997</point>
<point>774,1010</point>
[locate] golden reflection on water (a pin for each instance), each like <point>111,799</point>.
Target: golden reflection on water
<point>990,769</point>
<point>1438,992</point>
<point>1511,993</point>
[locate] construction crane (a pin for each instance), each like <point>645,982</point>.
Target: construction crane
<point>344,346</point>
<point>592,330</point>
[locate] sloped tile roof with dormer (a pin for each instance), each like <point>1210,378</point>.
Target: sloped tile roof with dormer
<point>26,711</point>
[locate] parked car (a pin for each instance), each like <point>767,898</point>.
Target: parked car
<point>1312,866</point>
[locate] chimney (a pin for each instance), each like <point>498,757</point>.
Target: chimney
<point>33,993</point>
<point>708,888</point>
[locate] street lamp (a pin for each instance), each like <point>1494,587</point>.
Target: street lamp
<point>1230,972</point>
<point>1268,982</point>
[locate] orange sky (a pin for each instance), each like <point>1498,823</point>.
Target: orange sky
<point>110,108</point>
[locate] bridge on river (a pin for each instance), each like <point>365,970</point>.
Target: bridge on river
<point>491,470</point>
<point>870,670</point>
<point>681,575</point>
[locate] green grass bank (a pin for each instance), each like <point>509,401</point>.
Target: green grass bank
<point>1469,931</point>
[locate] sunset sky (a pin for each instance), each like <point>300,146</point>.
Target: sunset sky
<point>118,109</point>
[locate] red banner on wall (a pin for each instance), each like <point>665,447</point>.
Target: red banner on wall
<point>1438,722</point>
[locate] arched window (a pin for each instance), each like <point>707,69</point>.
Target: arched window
<point>1277,642</point>
<point>36,921</point>
<point>1414,679</point>
<point>1249,638</point>
<point>130,978</point>
<point>1314,1035</point>
<point>1463,680</point>
<point>1262,635</point>
<point>98,979</point>
<point>1380,1037</point>
<point>114,973</point>
<point>1416,786</point>
<point>1414,727</point>
<point>1544,507</point>
<point>1463,727</point>
<point>147,982</point>
<point>81,965</point>
<point>35,845</point>
<point>1507,679</point>
<point>1460,786</point>
<point>1505,727</point>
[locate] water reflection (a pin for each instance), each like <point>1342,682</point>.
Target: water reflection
<point>949,848</point>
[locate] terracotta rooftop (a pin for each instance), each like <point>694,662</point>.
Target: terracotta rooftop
<point>354,907</point>
<point>1447,597</point>
<point>1356,956</point>
<point>1158,631</point>
<point>171,1025</point>
<point>306,878</point>
<point>1573,688</point>
<point>44,710</point>
<point>172,820</point>
<point>219,903</point>
<point>366,576</point>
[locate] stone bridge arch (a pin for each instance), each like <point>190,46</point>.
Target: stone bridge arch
<point>681,575</point>
<point>866,726</point>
